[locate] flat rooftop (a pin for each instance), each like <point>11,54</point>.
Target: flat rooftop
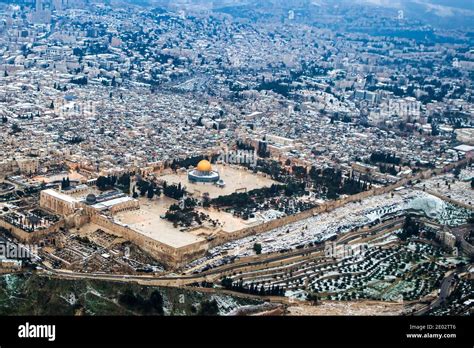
<point>464,148</point>
<point>110,203</point>
<point>60,196</point>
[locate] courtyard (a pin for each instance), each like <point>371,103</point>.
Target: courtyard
<point>147,221</point>
<point>235,179</point>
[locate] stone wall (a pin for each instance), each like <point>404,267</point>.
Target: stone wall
<point>56,204</point>
<point>174,257</point>
<point>30,237</point>
<point>450,200</point>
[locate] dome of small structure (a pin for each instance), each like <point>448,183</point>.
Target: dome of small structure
<point>91,198</point>
<point>204,166</point>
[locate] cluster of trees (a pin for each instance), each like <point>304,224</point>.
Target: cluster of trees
<point>299,171</point>
<point>262,149</point>
<point>313,297</point>
<point>410,228</point>
<point>174,191</point>
<point>97,48</point>
<point>343,118</point>
<point>252,289</point>
<point>77,51</point>
<point>146,188</point>
<point>16,128</point>
<point>295,189</point>
<point>388,169</point>
<point>329,182</point>
<point>243,202</point>
<point>186,162</point>
<point>108,182</point>
<point>183,214</point>
<point>209,308</point>
<point>240,199</point>
<point>272,168</point>
<point>190,161</point>
<point>434,95</point>
<point>124,182</point>
<point>377,157</point>
<point>310,69</point>
<point>135,302</point>
<point>58,87</point>
<point>79,81</point>
<point>470,219</point>
<point>65,183</point>
<point>245,199</point>
<point>281,87</point>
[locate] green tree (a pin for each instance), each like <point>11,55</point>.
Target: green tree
<point>151,192</point>
<point>209,308</point>
<point>313,298</point>
<point>470,219</point>
<point>257,248</point>
<point>16,128</point>
<point>410,228</point>
<point>156,302</point>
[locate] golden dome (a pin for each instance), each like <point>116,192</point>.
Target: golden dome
<point>204,166</point>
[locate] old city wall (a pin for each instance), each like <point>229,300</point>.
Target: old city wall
<point>170,256</point>
<point>445,198</point>
<point>29,237</point>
